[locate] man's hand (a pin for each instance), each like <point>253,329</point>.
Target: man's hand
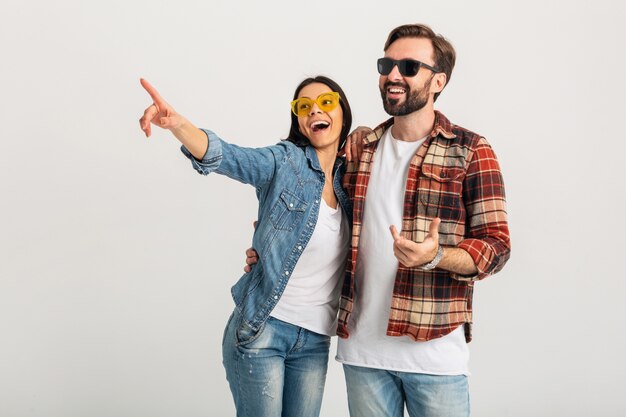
<point>251,258</point>
<point>159,112</point>
<point>354,143</point>
<point>412,254</point>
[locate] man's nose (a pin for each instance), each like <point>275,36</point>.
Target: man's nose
<point>395,73</point>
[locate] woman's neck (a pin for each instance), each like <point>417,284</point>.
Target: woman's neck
<point>327,159</point>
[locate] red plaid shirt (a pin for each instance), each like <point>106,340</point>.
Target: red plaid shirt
<point>454,176</point>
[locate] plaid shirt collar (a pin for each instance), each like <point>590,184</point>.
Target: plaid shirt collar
<point>442,127</point>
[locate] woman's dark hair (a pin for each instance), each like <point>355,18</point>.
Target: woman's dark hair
<point>297,137</point>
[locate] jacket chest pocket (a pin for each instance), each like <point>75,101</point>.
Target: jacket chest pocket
<point>441,192</point>
<point>288,211</point>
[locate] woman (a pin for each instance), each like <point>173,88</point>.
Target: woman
<point>276,343</point>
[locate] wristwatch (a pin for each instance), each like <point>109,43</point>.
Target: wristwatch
<point>433,264</point>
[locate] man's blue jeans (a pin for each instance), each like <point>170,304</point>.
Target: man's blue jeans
<point>381,393</point>
<point>281,371</point>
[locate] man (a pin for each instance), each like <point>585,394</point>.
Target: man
<point>429,220</point>
<point>406,306</point>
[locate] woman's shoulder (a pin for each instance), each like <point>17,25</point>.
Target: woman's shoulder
<point>290,148</point>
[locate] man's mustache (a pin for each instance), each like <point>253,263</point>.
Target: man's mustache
<point>395,84</point>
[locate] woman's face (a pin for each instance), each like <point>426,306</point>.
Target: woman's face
<point>323,129</point>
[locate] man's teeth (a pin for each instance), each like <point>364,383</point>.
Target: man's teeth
<point>396,90</point>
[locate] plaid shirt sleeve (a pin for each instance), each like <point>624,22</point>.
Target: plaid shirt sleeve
<point>487,236</point>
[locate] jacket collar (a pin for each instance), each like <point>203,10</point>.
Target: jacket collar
<point>311,155</point>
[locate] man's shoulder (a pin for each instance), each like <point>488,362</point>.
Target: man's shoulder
<point>372,139</point>
<point>465,136</point>
<point>458,135</point>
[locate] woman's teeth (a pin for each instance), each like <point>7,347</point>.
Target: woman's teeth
<point>320,125</point>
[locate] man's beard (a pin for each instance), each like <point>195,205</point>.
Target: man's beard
<point>415,100</point>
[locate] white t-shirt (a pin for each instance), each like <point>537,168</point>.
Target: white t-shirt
<point>376,268</point>
<point>311,297</point>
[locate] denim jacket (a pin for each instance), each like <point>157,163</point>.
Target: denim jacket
<point>289,183</point>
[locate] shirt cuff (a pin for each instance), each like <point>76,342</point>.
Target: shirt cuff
<point>482,255</point>
<point>211,159</point>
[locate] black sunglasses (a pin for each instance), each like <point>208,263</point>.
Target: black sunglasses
<point>407,67</point>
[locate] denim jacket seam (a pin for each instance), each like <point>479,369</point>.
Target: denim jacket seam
<point>289,263</point>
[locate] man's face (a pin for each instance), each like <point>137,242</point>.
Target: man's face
<point>404,95</point>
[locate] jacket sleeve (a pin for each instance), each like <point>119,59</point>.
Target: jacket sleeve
<point>255,166</point>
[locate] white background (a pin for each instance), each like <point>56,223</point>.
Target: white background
<point>116,258</point>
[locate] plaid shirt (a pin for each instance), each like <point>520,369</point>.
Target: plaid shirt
<point>454,176</point>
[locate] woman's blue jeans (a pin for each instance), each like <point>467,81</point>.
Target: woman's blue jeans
<point>281,371</point>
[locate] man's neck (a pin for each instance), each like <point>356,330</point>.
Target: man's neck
<point>414,126</point>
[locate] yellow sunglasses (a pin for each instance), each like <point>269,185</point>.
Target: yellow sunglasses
<point>325,102</point>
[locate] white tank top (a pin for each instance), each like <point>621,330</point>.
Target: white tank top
<point>311,297</point>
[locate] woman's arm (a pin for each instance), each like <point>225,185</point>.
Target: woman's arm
<point>161,114</point>
<point>208,152</point>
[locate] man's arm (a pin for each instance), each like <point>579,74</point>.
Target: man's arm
<point>413,254</point>
<point>486,247</point>
<point>457,261</point>
<point>487,239</point>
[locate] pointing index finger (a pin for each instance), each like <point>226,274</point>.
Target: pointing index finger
<point>154,94</point>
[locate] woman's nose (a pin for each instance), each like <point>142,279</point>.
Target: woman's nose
<point>315,109</point>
